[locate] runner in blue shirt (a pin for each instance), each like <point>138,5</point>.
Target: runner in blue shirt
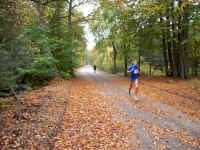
<point>134,72</point>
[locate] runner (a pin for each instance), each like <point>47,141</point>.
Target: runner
<point>95,68</point>
<point>134,72</point>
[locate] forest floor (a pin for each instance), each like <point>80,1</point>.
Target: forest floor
<point>94,111</point>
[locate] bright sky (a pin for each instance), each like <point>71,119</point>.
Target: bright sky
<point>87,9</point>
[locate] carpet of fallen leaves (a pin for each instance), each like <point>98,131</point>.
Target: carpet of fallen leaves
<point>88,122</point>
<point>60,116</point>
<point>33,121</point>
<point>183,95</point>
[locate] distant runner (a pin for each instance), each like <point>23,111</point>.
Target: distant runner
<point>95,68</point>
<point>134,72</point>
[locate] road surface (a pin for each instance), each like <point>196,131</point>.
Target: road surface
<point>155,125</point>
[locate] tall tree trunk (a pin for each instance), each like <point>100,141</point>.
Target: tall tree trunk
<point>125,61</point>
<point>196,62</point>
<point>139,57</point>
<point>175,49</point>
<point>196,67</point>
<point>169,44</point>
<point>175,27</point>
<point>164,44</point>
<point>57,17</point>
<point>70,14</point>
<point>179,48</point>
<point>183,42</point>
<point>150,68</point>
<point>114,58</point>
<point>40,9</point>
<point>165,53</point>
<point>71,70</point>
<point>125,65</point>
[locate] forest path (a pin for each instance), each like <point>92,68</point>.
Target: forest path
<point>101,115</point>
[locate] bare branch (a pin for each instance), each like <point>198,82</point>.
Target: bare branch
<point>80,20</point>
<point>80,3</point>
<point>84,19</point>
<point>44,3</point>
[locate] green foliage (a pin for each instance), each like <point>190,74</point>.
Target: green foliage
<point>36,43</point>
<point>41,69</point>
<point>167,33</point>
<point>36,62</point>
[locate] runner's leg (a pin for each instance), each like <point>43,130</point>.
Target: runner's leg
<point>136,86</point>
<point>130,87</point>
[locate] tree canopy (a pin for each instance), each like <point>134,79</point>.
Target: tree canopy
<point>39,40</point>
<point>162,34</point>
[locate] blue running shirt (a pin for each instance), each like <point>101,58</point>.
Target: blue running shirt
<point>133,75</point>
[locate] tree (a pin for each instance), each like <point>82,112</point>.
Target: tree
<point>37,42</point>
<point>151,29</point>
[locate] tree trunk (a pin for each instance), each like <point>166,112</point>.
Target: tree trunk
<point>169,45</point>
<point>40,9</point>
<point>57,17</point>
<point>150,69</point>
<point>125,65</point>
<point>125,61</point>
<point>114,58</point>
<point>139,59</point>
<point>196,67</point>
<point>164,44</point>
<point>183,42</point>
<point>70,14</point>
<point>196,60</point>
<point>185,34</point>
<point>175,49</point>
<point>71,70</point>
<point>179,49</point>
<point>165,54</point>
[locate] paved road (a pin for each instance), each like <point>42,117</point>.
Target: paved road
<point>157,126</point>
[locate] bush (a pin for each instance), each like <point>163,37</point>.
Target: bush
<point>42,69</point>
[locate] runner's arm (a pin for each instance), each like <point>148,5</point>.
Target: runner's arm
<point>130,69</point>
